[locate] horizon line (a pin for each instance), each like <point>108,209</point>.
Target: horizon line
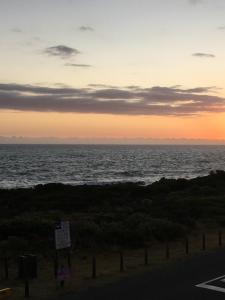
<point>51,140</point>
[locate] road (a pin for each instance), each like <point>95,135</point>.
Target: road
<point>174,282</point>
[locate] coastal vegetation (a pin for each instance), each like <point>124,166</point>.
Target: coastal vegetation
<point>120,214</point>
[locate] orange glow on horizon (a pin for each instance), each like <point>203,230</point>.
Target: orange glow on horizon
<point>71,125</point>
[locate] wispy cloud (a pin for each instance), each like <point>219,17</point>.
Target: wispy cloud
<point>78,65</point>
<point>61,51</point>
<point>156,100</point>
<point>203,55</point>
<point>221,28</point>
<point>195,1</point>
<point>86,28</point>
<point>16,30</point>
<point>99,85</point>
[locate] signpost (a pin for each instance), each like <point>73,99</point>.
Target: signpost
<point>62,235</point>
<point>62,241</point>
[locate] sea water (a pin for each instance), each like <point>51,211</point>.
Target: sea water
<point>29,165</point>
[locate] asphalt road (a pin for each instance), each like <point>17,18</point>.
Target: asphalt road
<point>175,282</point>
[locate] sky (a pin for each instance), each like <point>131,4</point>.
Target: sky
<point>112,70</point>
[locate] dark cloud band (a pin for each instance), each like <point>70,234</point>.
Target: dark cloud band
<point>111,100</point>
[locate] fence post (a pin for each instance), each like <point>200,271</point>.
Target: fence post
<point>167,250</point>
<point>94,267</point>
<point>69,260</point>
<point>203,242</point>
<point>146,256</point>
<point>187,245</point>
<point>6,267</point>
<point>121,262</point>
<point>220,238</point>
<point>27,289</point>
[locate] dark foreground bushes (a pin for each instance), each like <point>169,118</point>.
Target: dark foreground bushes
<point>126,214</point>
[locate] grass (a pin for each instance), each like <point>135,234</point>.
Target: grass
<point>108,267</point>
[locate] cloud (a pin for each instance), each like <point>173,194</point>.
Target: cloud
<point>156,100</point>
<point>99,85</point>
<point>16,30</point>
<point>195,1</point>
<point>78,65</point>
<point>221,28</point>
<point>62,51</point>
<point>206,55</point>
<point>33,41</point>
<point>86,28</point>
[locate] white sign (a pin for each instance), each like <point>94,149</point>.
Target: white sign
<point>62,235</point>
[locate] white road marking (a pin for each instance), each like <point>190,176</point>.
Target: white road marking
<point>206,285</point>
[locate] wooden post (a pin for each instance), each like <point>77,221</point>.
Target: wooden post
<point>121,262</point>
<point>6,267</point>
<point>203,242</point>
<point>93,267</point>
<point>167,250</point>
<point>27,289</point>
<point>220,238</point>
<point>56,265</point>
<point>146,256</point>
<point>187,245</point>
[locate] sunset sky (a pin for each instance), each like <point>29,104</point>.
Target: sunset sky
<point>112,69</point>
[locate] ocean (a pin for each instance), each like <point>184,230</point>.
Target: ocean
<point>29,165</point>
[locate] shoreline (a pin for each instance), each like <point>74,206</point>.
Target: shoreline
<point>109,183</point>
